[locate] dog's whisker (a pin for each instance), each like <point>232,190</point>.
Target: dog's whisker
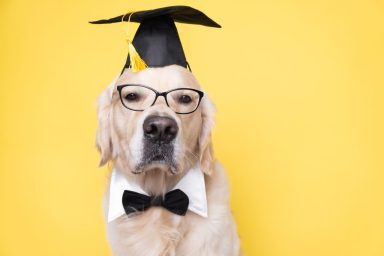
<point>193,154</point>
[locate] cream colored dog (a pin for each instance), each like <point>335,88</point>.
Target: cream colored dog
<point>121,140</point>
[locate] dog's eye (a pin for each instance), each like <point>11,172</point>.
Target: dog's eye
<point>132,97</point>
<point>185,99</point>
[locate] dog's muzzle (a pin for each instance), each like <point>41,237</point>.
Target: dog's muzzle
<point>158,142</point>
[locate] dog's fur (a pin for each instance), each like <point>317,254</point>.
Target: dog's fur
<point>120,140</point>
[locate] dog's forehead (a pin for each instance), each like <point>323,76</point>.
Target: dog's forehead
<point>162,79</point>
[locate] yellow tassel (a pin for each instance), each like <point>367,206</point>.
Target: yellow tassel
<point>136,62</point>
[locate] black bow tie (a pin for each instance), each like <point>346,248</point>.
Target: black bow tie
<point>175,201</point>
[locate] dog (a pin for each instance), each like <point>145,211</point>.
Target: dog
<point>155,148</point>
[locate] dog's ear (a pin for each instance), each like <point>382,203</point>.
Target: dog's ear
<point>103,134</point>
<point>205,139</point>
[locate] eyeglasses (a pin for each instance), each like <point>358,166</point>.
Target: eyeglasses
<point>140,97</point>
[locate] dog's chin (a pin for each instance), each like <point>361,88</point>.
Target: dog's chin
<point>156,165</point>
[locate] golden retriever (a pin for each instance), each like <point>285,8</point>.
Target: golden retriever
<point>156,168</point>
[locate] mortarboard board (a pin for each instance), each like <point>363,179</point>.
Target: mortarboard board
<point>156,42</point>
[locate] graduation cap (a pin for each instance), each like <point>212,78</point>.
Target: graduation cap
<point>156,42</point>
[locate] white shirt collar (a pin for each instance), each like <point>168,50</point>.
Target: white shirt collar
<point>192,184</point>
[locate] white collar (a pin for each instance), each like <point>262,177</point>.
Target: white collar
<point>192,184</point>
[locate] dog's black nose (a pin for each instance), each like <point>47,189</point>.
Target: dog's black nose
<point>160,129</point>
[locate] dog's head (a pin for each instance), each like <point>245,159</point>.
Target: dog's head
<point>146,122</point>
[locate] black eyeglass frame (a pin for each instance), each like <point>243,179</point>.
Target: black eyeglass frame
<point>164,94</point>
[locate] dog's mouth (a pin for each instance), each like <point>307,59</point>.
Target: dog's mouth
<point>157,157</point>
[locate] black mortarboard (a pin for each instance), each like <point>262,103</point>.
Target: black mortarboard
<point>156,40</point>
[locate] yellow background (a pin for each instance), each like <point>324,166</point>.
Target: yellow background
<point>299,90</point>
